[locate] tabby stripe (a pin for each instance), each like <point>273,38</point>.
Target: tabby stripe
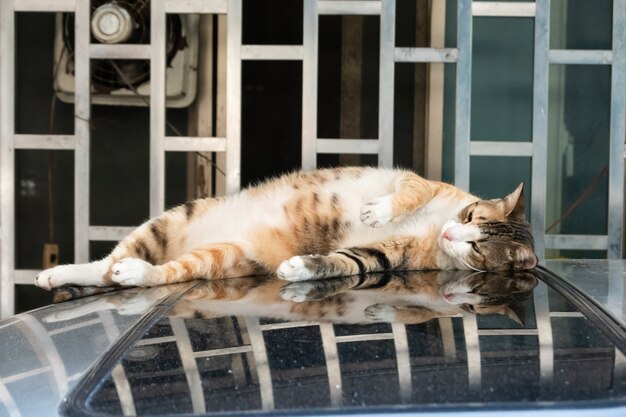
<point>383,281</point>
<point>159,236</point>
<point>144,252</point>
<point>190,207</point>
<point>361,281</point>
<point>380,256</point>
<point>356,260</point>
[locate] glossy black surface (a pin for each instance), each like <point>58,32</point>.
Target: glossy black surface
<point>261,344</point>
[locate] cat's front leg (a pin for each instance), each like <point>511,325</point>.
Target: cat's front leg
<point>410,193</point>
<point>317,290</point>
<point>400,314</point>
<point>376,257</point>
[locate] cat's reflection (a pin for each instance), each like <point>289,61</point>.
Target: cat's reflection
<point>407,297</point>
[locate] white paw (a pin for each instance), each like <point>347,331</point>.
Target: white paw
<point>294,270</point>
<point>55,277</point>
<point>131,272</point>
<point>297,292</point>
<point>380,312</point>
<point>377,212</point>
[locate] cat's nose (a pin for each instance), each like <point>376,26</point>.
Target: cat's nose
<point>447,234</point>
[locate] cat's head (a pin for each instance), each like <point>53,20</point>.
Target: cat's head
<point>491,293</point>
<point>491,235</point>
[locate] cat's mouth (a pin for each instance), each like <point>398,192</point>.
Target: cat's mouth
<point>455,239</point>
<point>457,293</point>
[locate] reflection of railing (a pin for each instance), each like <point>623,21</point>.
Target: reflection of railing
<point>50,362</point>
<point>253,336</point>
<point>251,342</point>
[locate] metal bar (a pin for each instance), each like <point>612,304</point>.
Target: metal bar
<point>472,347</point>
<point>119,51</point>
<point>224,351</point>
<point>426,54</point>
<point>568,314</point>
<point>544,336</point>
<point>447,337</point>
<point>44,5</point>
<point>618,130</point>
<point>507,332</point>
<point>26,276</point>
<point>8,401</point>
<point>82,118</point>
<point>190,366</point>
<point>286,325</point>
<point>260,359</point>
<point>155,341</point>
<point>350,146</point>
<point>124,390</point>
<point>108,233</point>
<point>27,374</point>
<point>45,349</point>
<point>363,337</point>
<point>310,28</point>
<point>333,368</point>
<point>615,292</point>
<point>503,9</point>
<point>486,148</point>
<point>386,83</point>
<point>157,107</point>
<point>7,158</point>
<point>194,144</point>
<point>76,326</point>
<point>233,94</point>
<point>354,7</point>
<point>580,57</point>
<point>589,242</point>
<point>118,374</point>
<point>540,126</point>
<point>196,6</point>
<point>463,95</point>
<point>272,52</point>
<point>45,142</point>
<point>403,360</point>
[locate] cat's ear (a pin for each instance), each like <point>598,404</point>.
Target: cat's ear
<point>514,203</point>
<point>525,281</point>
<point>517,313</point>
<point>525,258</point>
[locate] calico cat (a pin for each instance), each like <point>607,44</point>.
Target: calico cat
<point>324,223</point>
<point>408,297</point>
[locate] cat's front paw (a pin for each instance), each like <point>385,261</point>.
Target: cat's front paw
<point>380,312</point>
<point>377,212</point>
<point>295,269</point>
<point>296,292</point>
<point>133,272</point>
<point>55,277</point>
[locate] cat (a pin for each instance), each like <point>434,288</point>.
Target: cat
<point>318,224</point>
<point>408,297</point>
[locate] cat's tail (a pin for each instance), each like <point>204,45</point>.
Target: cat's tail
<point>68,293</point>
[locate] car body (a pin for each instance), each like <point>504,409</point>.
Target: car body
<point>239,347</point>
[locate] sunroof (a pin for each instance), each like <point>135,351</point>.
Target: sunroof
<point>375,342</point>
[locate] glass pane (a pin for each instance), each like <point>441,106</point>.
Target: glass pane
<point>394,339</point>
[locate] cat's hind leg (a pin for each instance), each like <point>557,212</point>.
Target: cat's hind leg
<point>79,274</point>
<point>219,260</point>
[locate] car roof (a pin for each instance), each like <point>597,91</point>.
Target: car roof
<point>182,350</point>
